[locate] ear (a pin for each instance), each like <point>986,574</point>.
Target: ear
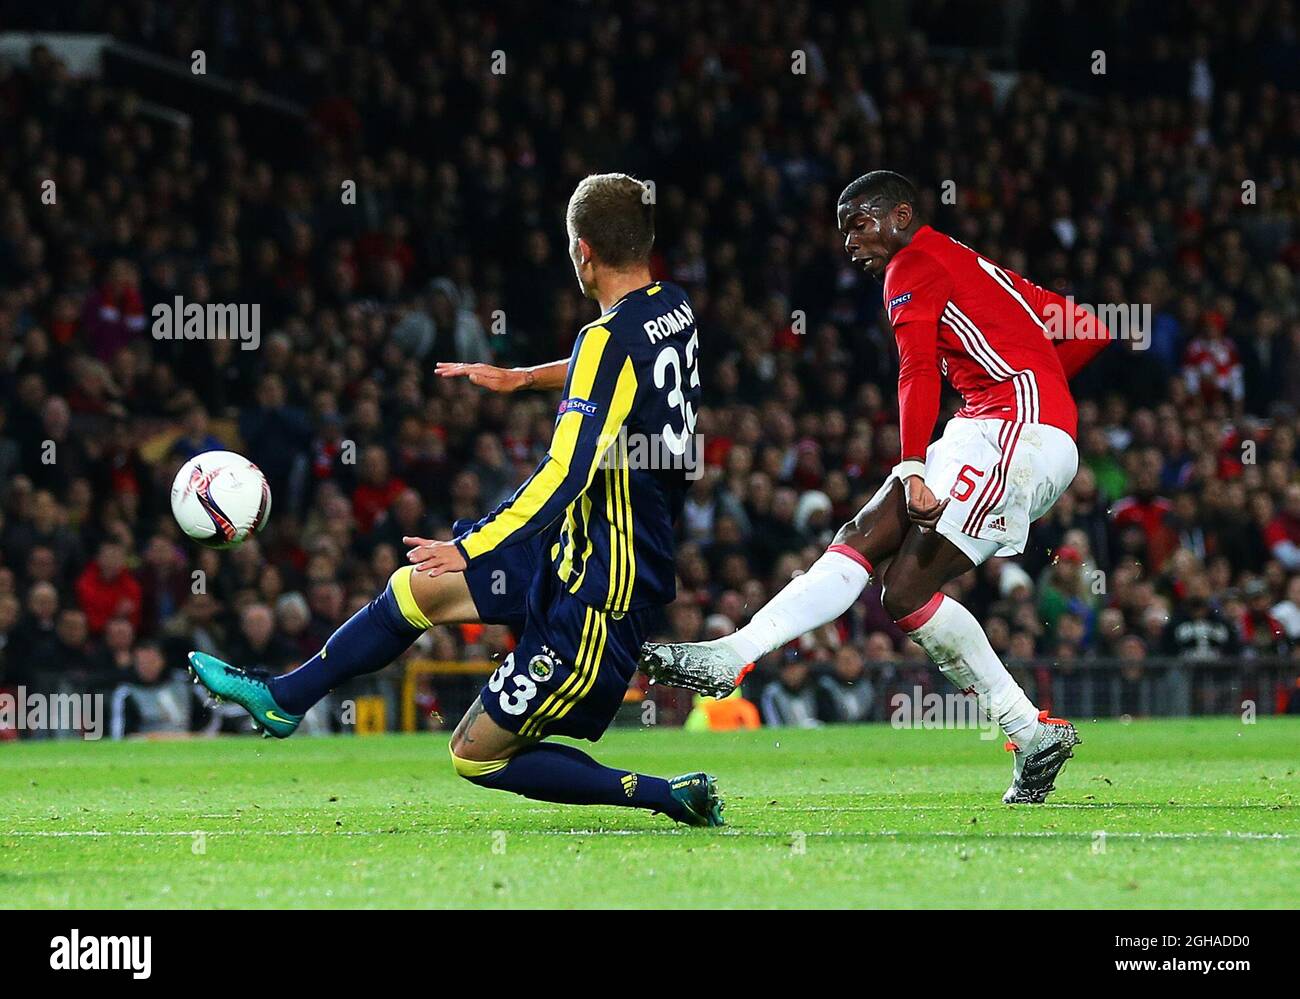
<point>585,254</point>
<point>903,215</point>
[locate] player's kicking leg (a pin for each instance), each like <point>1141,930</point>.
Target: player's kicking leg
<point>922,562</point>
<point>810,600</point>
<point>368,641</point>
<point>956,643</point>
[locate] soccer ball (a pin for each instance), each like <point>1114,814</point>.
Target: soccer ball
<point>219,498</point>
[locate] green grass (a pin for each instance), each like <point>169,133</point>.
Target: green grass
<point>1195,813</point>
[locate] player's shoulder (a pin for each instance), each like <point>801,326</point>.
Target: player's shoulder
<point>925,258</point>
<point>918,271</point>
<point>648,316</point>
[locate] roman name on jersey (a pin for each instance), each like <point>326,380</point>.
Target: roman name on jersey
<point>664,326</point>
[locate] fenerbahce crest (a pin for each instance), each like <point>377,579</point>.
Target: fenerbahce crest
<point>542,666</point>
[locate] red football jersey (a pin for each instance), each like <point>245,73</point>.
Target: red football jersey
<point>987,330</point>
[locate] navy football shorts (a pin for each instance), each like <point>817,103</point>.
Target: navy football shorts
<point>499,581</point>
<point>573,662</point>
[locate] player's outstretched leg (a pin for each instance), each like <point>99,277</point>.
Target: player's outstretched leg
<point>368,641</point>
<point>808,601</point>
<point>486,754</point>
<point>956,643</point>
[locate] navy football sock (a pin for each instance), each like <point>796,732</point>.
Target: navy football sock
<point>368,641</point>
<point>549,772</point>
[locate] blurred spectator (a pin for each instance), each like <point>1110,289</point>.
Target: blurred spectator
<point>1198,630</point>
<point>1287,611</point>
<point>34,644</point>
<point>10,610</point>
<point>1261,633</point>
<point>1064,590</point>
<point>258,645</point>
<point>154,700</point>
<point>1283,532</point>
<point>106,589</point>
<point>377,490</point>
<point>847,687</point>
<point>792,699</point>
<point>1212,366</point>
<point>195,438</point>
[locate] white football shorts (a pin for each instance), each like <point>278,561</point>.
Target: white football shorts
<point>999,477</point>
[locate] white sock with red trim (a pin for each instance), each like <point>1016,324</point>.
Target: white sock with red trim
<point>956,643</point>
<point>808,601</point>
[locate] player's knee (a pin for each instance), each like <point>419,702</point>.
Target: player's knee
<point>891,598</point>
<point>460,747</point>
<point>402,585</point>
<point>901,597</point>
<point>472,770</point>
<point>433,599</point>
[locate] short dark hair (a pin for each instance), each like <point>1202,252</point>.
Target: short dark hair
<point>615,213</point>
<point>892,187</point>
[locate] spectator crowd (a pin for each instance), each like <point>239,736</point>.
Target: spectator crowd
<point>1170,180</point>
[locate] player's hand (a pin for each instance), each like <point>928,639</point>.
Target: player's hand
<point>434,557</point>
<point>489,376</point>
<point>922,507</point>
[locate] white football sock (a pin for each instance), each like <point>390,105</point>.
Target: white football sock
<point>817,597</point>
<point>956,643</point>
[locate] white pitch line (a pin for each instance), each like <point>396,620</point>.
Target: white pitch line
<point>868,834</point>
<point>1045,809</point>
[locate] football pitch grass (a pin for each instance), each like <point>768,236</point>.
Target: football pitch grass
<point>1169,813</point>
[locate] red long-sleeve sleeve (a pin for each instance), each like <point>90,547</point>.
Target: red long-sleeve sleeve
<point>916,290</point>
<point>918,385</point>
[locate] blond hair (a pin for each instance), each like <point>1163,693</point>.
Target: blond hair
<point>614,213</point>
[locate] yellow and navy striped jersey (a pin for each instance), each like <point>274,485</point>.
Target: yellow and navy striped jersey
<point>615,476</point>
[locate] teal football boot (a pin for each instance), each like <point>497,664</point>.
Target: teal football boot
<point>698,795</point>
<point>248,689</point>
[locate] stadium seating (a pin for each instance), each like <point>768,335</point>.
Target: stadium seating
<point>1181,196</point>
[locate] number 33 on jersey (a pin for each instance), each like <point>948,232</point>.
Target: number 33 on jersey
<point>616,474</point>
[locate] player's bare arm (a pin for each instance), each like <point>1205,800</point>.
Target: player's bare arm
<point>543,377</point>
